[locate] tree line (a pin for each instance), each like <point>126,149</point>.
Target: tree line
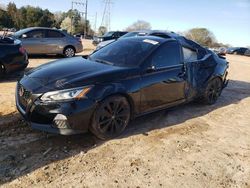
<point>72,21</point>
<point>28,16</point>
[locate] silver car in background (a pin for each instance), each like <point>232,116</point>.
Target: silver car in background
<point>41,40</point>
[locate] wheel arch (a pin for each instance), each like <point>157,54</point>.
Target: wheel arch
<point>127,97</point>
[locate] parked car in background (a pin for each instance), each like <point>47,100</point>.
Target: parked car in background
<point>81,35</point>
<point>236,50</point>
<point>222,51</point>
<point>109,36</point>
<point>13,56</point>
<point>128,78</point>
<point>159,33</point>
<point>247,52</point>
<point>40,40</point>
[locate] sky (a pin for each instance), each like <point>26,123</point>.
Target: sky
<point>229,20</point>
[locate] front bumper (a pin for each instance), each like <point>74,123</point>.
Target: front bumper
<point>44,116</point>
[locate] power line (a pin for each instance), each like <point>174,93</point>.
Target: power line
<point>106,21</point>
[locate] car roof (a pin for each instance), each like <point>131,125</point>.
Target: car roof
<point>34,28</point>
<point>152,39</point>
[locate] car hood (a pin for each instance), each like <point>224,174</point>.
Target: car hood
<point>69,73</point>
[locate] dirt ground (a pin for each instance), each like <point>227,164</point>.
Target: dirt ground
<point>189,146</point>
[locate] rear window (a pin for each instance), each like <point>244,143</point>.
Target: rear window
<point>189,55</point>
<point>54,34</point>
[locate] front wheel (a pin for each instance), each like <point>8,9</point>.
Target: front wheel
<point>213,91</point>
<point>69,52</point>
<point>110,118</point>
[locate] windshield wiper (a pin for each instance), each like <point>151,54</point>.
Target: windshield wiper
<point>103,61</point>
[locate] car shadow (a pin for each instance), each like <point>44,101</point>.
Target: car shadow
<point>21,158</point>
<point>15,76</point>
<point>42,56</point>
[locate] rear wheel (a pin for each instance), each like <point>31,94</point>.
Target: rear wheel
<point>213,91</point>
<point>69,52</point>
<point>111,117</point>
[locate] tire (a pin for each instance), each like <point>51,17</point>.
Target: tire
<point>69,52</point>
<point>2,71</point>
<point>212,91</point>
<point>235,53</point>
<point>110,118</point>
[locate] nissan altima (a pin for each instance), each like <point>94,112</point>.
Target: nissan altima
<point>119,82</point>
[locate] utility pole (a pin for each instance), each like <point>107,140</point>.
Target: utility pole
<point>86,22</point>
<point>85,14</point>
<point>71,17</point>
<point>95,22</point>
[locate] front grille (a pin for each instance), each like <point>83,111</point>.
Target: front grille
<point>23,96</point>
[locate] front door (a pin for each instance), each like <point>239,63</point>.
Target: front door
<point>34,41</point>
<point>164,80</point>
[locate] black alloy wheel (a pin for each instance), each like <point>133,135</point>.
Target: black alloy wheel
<point>111,117</point>
<point>213,91</point>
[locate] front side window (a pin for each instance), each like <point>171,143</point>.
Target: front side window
<point>35,34</point>
<point>167,55</point>
<point>189,55</point>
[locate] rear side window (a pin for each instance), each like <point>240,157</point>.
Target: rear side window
<point>189,55</point>
<point>167,55</point>
<point>35,34</point>
<point>54,34</point>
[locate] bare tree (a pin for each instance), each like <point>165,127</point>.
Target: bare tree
<point>202,36</point>
<point>66,25</point>
<point>139,25</point>
<point>102,30</point>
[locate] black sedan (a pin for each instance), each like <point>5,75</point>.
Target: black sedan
<point>13,56</point>
<point>236,51</point>
<point>121,81</point>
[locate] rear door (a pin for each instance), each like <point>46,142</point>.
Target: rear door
<point>54,41</point>
<point>164,80</point>
<point>34,41</point>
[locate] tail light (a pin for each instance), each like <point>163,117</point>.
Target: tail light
<point>22,50</point>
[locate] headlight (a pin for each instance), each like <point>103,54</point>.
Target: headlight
<point>75,93</point>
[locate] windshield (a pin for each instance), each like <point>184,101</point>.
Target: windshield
<point>109,34</point>
<point>125,52</point>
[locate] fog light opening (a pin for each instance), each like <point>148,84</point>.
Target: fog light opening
<point>61,122</point>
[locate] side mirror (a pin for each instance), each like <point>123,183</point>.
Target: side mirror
<point>24,36</point>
